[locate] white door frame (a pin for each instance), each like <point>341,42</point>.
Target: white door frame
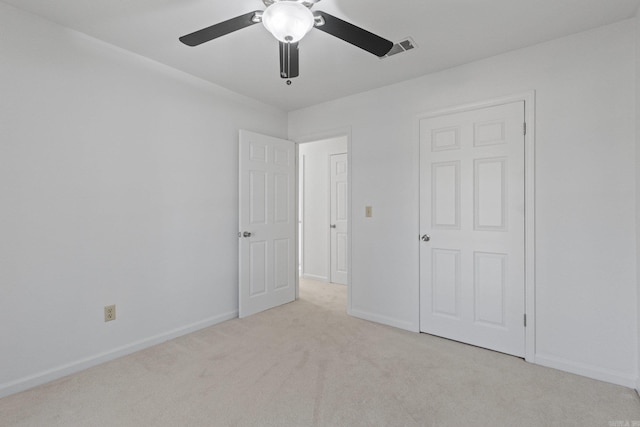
<point>318,136</point>
<point>529,194</point>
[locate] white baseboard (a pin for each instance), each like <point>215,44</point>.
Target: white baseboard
<point>389,321</point>
<point>589,371</point>
<point>30,381</point>
<point>314,277</point>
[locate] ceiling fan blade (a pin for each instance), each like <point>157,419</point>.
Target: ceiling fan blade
<point>354,35</point>
<point>289,60</point>
<point>221,29</point>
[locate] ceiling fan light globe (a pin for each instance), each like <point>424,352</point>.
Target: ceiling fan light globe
<point>288,21</point>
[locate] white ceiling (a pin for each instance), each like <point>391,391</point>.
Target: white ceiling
<point>447,33</point>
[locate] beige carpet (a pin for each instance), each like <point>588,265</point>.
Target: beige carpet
<point>309,364</point>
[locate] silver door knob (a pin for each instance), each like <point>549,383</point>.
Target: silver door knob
<point>333,226</point>
<point>246,234</point>
<point>425,238</point>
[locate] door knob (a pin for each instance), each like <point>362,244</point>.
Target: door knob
<point>333,226</point>
<point>246,234</point>
<point>425,238</point>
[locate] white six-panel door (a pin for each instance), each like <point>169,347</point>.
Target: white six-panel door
<point>338,194</point>
<point>472,227</point>
<point>267,267</point>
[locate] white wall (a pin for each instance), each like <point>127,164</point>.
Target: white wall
<point>585,191</point>
<point>315,156</point>
<point>117,186</point>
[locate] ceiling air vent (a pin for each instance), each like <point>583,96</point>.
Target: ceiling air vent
<point>400,47</point>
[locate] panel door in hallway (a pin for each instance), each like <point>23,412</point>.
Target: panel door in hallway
<point>472,227</point>
<point>338,195</point>
<point>267,267</point>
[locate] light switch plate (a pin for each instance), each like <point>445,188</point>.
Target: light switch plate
<point>368,211</point>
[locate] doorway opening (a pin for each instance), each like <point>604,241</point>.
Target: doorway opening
<point>323,210</point>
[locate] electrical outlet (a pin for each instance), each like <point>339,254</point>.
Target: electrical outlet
<point>109,313</point>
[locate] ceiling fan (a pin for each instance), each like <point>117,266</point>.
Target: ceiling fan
<point>289,21</point>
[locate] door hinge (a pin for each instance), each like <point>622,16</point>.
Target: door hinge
<point>525,320</point>
<point>524,128</point>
